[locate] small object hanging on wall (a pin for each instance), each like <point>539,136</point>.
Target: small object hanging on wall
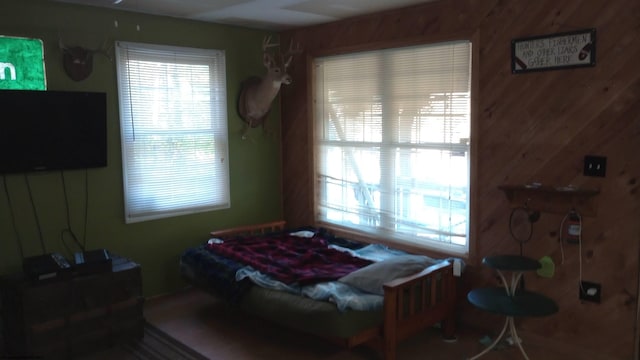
<point>78,61</point>
<point>257,93</point>
<point>554,51</point>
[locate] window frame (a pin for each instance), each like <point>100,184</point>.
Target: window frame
<point>473,39</point>
<point>218,127</point>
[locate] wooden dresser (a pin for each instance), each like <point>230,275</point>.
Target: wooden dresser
<point>61,318</point>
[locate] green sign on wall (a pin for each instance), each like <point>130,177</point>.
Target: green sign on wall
<point>22,64</point>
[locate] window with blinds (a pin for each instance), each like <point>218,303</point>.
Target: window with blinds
<point>173,122</point>
<point>392,143</point>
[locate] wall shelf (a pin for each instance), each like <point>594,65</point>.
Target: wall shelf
<point>550,199</point>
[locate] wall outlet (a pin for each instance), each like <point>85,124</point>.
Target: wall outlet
<point>590,291</point>
<point>595,166</point>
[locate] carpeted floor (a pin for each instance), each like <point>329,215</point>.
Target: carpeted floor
<point>155,345</point>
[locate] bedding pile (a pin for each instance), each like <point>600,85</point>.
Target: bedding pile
<point>289,258</point>
<point>306,263</point>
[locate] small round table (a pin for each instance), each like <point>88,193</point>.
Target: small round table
<point>509,300</point>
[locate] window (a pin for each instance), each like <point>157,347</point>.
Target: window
<point>392,143</point>
<point>173,122</point>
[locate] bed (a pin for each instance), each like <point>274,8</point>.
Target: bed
<point>366,296</point>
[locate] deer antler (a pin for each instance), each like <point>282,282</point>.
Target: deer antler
<point>266,43</point>
<point>103,50</point>
<point>293,50</point>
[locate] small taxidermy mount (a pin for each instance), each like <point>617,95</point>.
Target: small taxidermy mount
<point>78,61</point>
<point>257,93</point>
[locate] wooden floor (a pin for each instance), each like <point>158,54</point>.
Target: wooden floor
<point>219,332</point>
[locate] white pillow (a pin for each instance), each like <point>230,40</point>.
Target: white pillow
<point>371,278</point>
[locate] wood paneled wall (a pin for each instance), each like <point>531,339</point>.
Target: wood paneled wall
<point>527,127</point>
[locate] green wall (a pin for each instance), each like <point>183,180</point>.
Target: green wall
<point>254,163</point>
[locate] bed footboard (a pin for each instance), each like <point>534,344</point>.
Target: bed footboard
<point>416,302</point>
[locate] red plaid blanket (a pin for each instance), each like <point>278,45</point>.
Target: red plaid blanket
<point>290,259</point>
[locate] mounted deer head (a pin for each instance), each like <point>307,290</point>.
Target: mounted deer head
<point>257,93</point>
<point>78,61</point>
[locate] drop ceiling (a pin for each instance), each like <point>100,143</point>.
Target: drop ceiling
<point>272,15</point>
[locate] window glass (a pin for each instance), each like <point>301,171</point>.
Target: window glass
<point>173,122</point>
<point>392,144</point>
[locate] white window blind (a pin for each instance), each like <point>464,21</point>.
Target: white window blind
<point>392,144</point>
<point>173,121</point>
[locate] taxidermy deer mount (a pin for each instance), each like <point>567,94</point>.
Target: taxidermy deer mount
<point>257,93</point>
<point>78,61</point>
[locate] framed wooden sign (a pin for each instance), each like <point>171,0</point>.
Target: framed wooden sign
<point>554,51</point>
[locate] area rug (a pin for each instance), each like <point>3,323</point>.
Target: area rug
<point>155,345</point>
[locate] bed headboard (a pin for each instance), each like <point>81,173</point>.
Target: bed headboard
<point>254,229</point>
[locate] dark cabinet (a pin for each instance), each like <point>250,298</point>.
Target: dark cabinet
<point>62,318</point>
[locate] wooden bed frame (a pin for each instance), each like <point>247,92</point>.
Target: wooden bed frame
<point>411,304</point>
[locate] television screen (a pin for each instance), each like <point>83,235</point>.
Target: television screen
<point>52,130</point>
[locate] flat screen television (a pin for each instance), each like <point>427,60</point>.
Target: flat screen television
<point>52,130</point>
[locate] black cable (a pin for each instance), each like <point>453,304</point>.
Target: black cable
<point>68,230</point>
<point>35,214</point>
<point>13,217</point>
<point>86,208</point>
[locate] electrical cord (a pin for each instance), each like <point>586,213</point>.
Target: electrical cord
<point>86,208</point>
<point>572,212</point>
<point>35,214</point>
<point>13,217</point>
<point>69,230</point>
<point>560,238</point>
<point>580,251</point>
